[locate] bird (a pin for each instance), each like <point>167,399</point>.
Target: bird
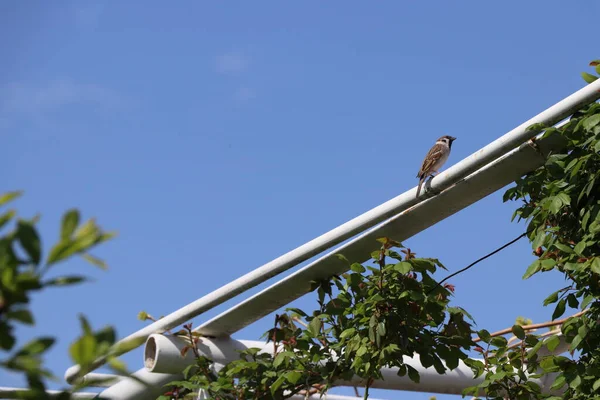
<point>435,159</point>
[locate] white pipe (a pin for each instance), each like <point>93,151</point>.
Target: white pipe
<point>17,393</point>
<point>492,151</point>
<point>100,380</point>
<point>401,227</point>
<point>226,350</point>
<point>133,389</point>
<point>163,353</point>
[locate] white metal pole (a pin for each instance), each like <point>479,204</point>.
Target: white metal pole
<point>492,151</point>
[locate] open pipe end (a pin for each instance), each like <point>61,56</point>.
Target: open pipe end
<point>150,353</point>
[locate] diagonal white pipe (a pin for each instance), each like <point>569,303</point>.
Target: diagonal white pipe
<point>487,154</point>
<point>400,227</point>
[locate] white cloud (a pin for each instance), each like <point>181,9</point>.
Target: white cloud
<point>231,63</point>
<point>28,98</point>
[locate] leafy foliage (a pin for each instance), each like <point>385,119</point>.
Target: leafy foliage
<point>368,318</point>
<point>561,203</point>
<point>23,271</point>
<point>589,78</point>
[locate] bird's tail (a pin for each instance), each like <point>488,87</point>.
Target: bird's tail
<point>419,187</point>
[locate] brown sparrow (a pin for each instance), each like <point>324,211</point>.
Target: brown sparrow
<point>435,159</point>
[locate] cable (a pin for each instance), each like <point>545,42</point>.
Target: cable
<point>478,261</point>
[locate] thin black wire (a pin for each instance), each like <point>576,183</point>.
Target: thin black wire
<point>478,261</point>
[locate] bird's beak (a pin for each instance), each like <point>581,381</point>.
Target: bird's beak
<point>452,138</point>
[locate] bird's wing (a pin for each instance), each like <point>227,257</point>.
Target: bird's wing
<point>435,153</point>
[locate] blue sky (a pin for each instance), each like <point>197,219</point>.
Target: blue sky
<point>216,137</point>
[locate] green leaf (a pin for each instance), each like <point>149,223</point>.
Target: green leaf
<point>553,298</point>
<point>7,339</point>
<point>564,198</point>
<point>342,258</point>
<point>381,329</point>
<point>29,240</point>
<point>539,126</point>
<point>589,78</point>
<point>10,214</point>
<point>83,350</point>
<point>9,196</point>
<point>95,261</point>
<point>547,264</point>
<point>591,122</point>
<point>356,267</point>
<point>275,386</point>
<point>579,248</point>
<point>403,267</point>
<point>499,341</point>
<point>563,248</point>
<point>423,264</point>
<point>596,385</point>
<point>555,205</point>
<point>373,321</point>
<point>142,315</point>
<point>552,343</point>
<point>279,359</point>
<point>532,269</point>
<point>572,301</point>
<point>587,300</point>
<point>558,382</point>
<point>576,341</point>
<point>518,331</point>
<point>347,332</point>
<point>539,240</point>
<point>65,280</point>
<point>297,311</point>
<point>575,382</point>
<point>361,350</point>
<point>595,265</point>
<point>70,221</point>
<point>314,327</point>
<point>413,374</point>
<point>293,377</point>
<point>85,325</point>
<point>560,309</point>
<point>23,316</point>
<point>484,335</point>
<point>37,346</point>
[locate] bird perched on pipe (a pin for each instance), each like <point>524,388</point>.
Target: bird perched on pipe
<point>435,159</point>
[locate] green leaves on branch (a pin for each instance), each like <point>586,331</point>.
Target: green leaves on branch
<point>589,78</point>
<point>561,203</point>
<point>78,240</point>
<point>367,319</point>
<point>23,271</point>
